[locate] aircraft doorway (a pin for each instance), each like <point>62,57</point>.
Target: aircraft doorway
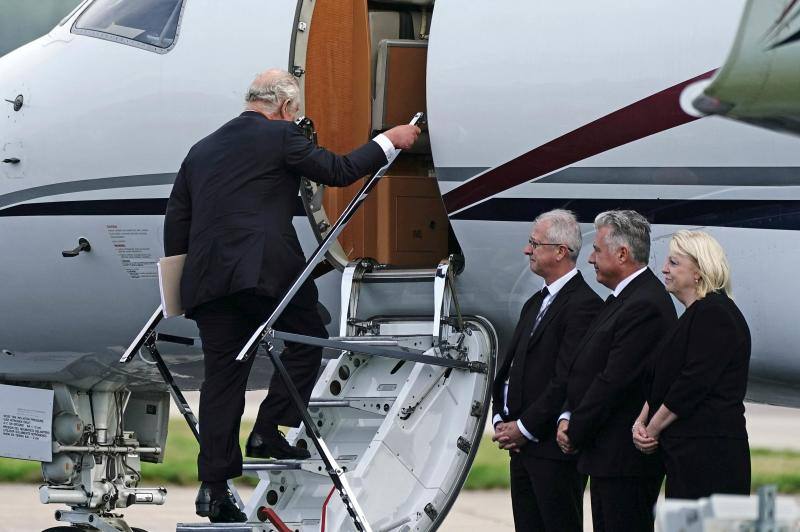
<point>363,72</point>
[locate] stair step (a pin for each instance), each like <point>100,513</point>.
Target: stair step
<point>271,465</point>
<point>267,464</point>
<point>398,274</point>
<point>366,340</point>
<point>330,403</point>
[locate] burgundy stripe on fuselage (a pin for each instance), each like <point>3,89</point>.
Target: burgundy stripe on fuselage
<point>656,113</point>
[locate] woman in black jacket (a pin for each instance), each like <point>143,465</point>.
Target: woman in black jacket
<point>695,407</point>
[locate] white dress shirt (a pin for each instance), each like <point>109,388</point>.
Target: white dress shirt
<point>617,291</point>
<point>388,148</point>
<point>626,281</point>
<point>553,290</point>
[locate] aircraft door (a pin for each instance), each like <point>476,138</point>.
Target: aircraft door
<point>364,69</point>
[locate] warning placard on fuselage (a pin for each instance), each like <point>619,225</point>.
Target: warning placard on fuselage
<point>26,423</point>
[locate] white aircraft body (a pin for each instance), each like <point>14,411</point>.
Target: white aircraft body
<point>530,106</point>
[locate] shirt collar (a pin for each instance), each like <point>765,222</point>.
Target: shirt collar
<point>626,281</point>
<point>559,283</point>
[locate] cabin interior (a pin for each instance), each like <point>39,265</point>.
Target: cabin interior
<point>365,70</point>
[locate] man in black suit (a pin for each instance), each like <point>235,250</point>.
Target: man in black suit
<point>605,390</point>
<point>530,386</point>
<point>231,211</point>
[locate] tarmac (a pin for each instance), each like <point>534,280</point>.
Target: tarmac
<point>768,426</point>
<point>474,511</point>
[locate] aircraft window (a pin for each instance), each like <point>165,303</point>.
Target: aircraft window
<point>153,23</point>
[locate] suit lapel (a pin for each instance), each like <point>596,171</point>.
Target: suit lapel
<point>522,331</point>
<point>527,327</point>
<point>609,309</point>
<point>560,300</point>
<point>606,313</point>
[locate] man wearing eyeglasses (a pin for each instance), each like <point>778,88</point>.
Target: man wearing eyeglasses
<point>530,386</point>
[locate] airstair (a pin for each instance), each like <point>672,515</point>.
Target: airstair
<point>394,421</point>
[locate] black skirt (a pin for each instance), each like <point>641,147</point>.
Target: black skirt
<point>700,467</point>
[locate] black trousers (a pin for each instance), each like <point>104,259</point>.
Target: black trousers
<point>225,326</point>
<point>546,495</point>
<point>624,504</point>
<point>700,467</point>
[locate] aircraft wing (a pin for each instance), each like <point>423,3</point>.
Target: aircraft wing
<point>760,82</point>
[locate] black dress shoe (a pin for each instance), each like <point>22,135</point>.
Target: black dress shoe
<point>273,446</point>
<point>218,509</point>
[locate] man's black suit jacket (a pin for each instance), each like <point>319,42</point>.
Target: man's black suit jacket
<point>233,201</point>
<point>537,388</point>
<point>605,390</point>
<point>701,370</point>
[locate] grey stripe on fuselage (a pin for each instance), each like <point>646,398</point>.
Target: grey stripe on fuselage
<point>84,185</point>
<point>734,176</point>
<point>457,173</point>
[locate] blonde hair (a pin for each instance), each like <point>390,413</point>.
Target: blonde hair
<point>709,257</point>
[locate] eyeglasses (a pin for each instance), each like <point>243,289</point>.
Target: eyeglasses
<point>534,244</point>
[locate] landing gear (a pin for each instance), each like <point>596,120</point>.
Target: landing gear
<point>97,455</point>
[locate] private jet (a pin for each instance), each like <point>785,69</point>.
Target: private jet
<point>529,106</point>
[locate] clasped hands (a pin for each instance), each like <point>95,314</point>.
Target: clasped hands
<point>645,438</point>
<point>508,436</point>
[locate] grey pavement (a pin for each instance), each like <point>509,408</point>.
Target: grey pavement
<point>20,510</point>
<point>773,427</point>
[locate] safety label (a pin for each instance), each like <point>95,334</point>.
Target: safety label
<point>133,247</point>
<point>26,421</point>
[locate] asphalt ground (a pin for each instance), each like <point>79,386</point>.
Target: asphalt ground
<point>20,510</point>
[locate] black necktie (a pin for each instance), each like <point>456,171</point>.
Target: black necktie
<point>542,309</point>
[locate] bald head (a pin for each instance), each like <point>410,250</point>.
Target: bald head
<point>274,92</point>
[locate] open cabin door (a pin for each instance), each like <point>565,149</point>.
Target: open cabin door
<point>363,72</point>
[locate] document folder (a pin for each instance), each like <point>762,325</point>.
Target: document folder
<point>170,270</point>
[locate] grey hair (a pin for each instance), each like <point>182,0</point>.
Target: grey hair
<point>272,88</point>
<point>563,229</point>
<point>629,229</point>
